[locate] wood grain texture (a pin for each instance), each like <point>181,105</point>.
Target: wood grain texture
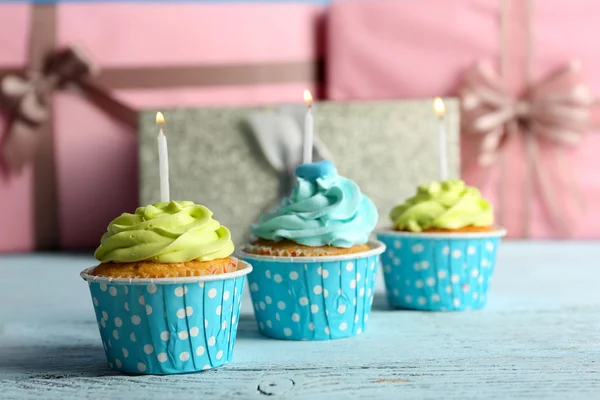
<point>539,337</point>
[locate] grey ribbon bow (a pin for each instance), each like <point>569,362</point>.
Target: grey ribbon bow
<point>279,134</point>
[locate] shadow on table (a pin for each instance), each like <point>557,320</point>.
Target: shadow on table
<point>55,362</point>
<point>247,328</point>
<point>380,303</point>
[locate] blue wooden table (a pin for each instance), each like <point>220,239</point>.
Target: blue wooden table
<point>539,337</point>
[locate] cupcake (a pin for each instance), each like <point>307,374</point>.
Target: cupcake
<point>441,249</point>
<point>167,292</point>
<point>313,265</point>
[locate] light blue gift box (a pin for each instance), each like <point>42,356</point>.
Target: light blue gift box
<point>168,325</point>
<point>313,298</point>
<point>439,272</point>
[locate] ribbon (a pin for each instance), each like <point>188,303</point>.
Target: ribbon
<point>555,110</point>
<point>28,100</point>
<point>279,136</point>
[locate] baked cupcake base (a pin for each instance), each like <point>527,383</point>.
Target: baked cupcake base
<point>149,269</point>
<point>288,248</point>
<point>466,229</point>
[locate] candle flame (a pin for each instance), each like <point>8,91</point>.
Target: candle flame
<point>160,118</point>
<point>438,107</point>
<point>308,98</point>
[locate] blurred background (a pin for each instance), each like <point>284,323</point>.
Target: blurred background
<point>81,83</point>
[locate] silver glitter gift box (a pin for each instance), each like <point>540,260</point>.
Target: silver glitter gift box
<point>216,157</point>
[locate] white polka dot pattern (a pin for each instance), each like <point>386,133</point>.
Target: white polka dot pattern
<point>312,300</point>
<point>437,273</point>
<point>139,321</point>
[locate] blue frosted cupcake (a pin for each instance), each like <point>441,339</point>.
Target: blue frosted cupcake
<point>314,267</point>
<point>167,293</point>
<point>441,250</point>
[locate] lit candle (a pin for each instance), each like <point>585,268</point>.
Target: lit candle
<point>308,129</point>
<point>163,159</point>
<point>440,110</point>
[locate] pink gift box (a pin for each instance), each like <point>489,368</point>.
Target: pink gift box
<point>95,156</point>
<point>388,49</point>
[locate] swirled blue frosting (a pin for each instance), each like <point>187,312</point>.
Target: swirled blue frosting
<point>323,209</point>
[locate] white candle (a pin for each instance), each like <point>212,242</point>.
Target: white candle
<point>308,129</point>
<point>163,159</point>
<point>440,110</point>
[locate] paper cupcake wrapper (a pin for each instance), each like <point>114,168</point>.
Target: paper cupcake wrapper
<point>439,272</point>
<point>169,325</point>
<point>313,298</point>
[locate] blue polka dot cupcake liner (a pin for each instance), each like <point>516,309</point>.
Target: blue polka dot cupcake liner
<point>313,298</point>
<point>168,325</point>
<point>439,272</point>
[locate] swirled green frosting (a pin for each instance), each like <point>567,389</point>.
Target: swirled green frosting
<point>443,205</point>
<point>176,231</point>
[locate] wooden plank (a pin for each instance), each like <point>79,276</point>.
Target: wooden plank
<point>538,338</point>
